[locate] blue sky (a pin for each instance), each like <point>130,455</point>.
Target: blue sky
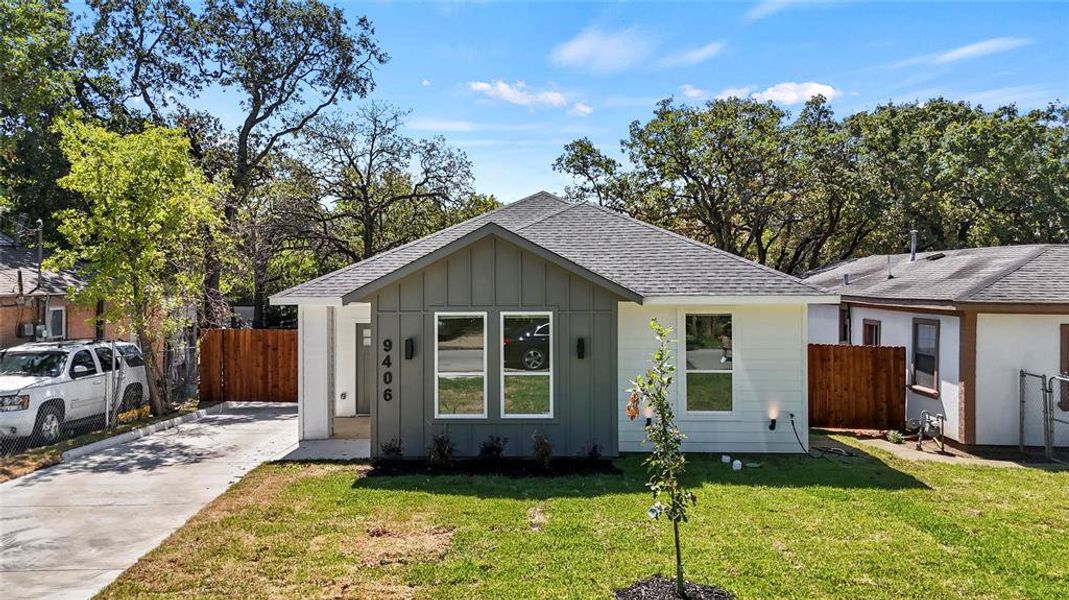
<point>511,83</point>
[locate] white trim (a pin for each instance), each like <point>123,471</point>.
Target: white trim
<point>51,334</point>
<point>552,353</point>
<point>304,300</point>
<point>720,300</point>
<point>681,326</point>
<point>482,315</point>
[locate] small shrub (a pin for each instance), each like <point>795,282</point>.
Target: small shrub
<point>493,448</point>
<point>543,450</point>
<point>594,453</point>
<point>441,451</point>
<point>392,450</point>
<point>895,437</point>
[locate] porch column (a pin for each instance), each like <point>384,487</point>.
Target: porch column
<point>315,367</point>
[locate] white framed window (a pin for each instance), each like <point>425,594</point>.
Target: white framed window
<point>527,365</point>
<point>460,365</point>
<point>708,359</point>
<point>57,323</point>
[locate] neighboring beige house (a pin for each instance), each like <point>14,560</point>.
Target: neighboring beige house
<point>970,321</point>
<point>32,311</point>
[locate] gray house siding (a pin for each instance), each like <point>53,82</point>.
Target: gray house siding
<point>492,275</point>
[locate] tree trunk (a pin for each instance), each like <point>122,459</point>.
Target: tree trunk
<point>680,590</point>
<point>259,302</point>
<point>152,370</point>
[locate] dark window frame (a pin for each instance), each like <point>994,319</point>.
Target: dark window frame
<point>844,323</point>
<point>924,391</point>
<point>865,325</point>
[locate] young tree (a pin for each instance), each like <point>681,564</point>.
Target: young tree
<point>138,242</point>
<point>666,461</point>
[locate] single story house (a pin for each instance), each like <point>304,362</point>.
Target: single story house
<point>534,318</point>
<point>33,309</point>
<point>970,321</point>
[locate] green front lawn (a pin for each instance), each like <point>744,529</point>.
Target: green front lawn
<point>871,527</point>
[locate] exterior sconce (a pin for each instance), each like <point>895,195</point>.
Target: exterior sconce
<point>580,348</point>
<point>649,416</point>
<point>772,425</point>
<point>410,348</point>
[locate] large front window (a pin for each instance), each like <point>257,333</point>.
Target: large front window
<point>708,367</point>
<point>460,365</point>
<point>526,365</point>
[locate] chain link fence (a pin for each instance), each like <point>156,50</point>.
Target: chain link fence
<point>1044,414</point>
<point>84,391</point>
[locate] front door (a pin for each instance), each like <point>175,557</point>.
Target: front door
<point>363,368</point>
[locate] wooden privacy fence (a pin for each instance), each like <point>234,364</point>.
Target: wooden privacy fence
<point>859,387</point>
<point>248,365</point>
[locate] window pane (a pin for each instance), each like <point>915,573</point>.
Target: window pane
<point>105,358</point>
<point>84,359</point>
<point>527,395</point>
<point>461,395</point>
<point>708,391</point>
<point>56,324</point>
<point>526,343</point>
<point>926,338</point>
<point>460,345</point>
<point>924,373</point>
<point>708,342</point>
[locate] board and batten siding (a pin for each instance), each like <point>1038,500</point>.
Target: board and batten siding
<point>492,275</point>
<point>769,377</point>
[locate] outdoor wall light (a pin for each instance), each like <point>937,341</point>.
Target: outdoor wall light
<point>649,416</point>
<point>772,425</point>
<point>410,348</point>
<point>580,348</point>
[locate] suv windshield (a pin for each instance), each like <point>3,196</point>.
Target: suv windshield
<point>37,364</point>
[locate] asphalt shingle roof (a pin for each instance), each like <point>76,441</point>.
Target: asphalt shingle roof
<point>1033,274</point>
<point>638,256</point>
<point>16,258</point>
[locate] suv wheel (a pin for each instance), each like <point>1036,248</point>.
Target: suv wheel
<point>533,359</point>
<point>49,426</point>
<point>132,397</point>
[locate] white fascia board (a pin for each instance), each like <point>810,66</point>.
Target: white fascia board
<point>304,301</point>
<point>814,299</point>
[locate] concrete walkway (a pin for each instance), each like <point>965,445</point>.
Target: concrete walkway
<point>68,531</point>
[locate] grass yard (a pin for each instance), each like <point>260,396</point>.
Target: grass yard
<point>869,527</point>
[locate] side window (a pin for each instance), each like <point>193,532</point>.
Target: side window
<point>870,332</point>
<point>105,357</point>
<point>708,363</point>
<point>460,364</point>
<point>926,355</point>
<point>526,365</point>
<point>83,359</point>
<point>131,354</point>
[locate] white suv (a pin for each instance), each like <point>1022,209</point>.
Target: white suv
<point>47,386</point>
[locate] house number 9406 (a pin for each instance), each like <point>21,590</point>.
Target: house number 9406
<point>387,374</point>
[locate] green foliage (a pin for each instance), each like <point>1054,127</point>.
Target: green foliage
<point>442,450</point>
<point>493,447</point>
<point>138,242</point>
<point>666,461</point>
<point>543,449</point>
<point>895,437</point>
<point>736,174</point>
<point>392,449</point>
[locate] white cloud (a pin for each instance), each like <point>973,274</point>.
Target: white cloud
<point>692,93</point>
<point>767,8</point>
<point>460,125</point>
<point>970,51</point>
<point>580,109</point>
<point>738,92</point>
<point>693,56</point>
<point>790,92</point>
<point>425,83</point>
<point>603,52</point>
<point>518,93</point>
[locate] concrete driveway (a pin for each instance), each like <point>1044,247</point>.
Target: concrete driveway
<point>68,531</point>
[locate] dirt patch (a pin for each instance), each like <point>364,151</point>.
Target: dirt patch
<point>507,467</point>
<point>385,546</point>
<point>657,587</point>
<point>536,517</point>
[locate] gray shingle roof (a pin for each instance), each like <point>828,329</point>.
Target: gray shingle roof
<point>638,256</point>
<point>1003,274</point>
<point>16,258</point>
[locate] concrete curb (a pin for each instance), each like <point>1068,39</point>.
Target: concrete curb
<point>141,432</point>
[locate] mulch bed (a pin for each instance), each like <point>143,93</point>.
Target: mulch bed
<point>507,467</point>
<point>657,587</point>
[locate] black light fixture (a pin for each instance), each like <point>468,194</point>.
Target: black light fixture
<point>410,348</point>
<point>772,424</point>
<point>580,348</point>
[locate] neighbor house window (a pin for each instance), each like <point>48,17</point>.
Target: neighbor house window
<point>844,324</point>
<point>460,365</point>
<point>926,355</point>
<point>526,365</point>
<point>708,363</point>
<point>870,332</point>
<point>57,323</point>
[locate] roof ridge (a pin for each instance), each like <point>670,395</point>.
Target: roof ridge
<point>1035,253</point>
<point>707,247</point>
<point>391,251</point>
<point>542,218</point>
